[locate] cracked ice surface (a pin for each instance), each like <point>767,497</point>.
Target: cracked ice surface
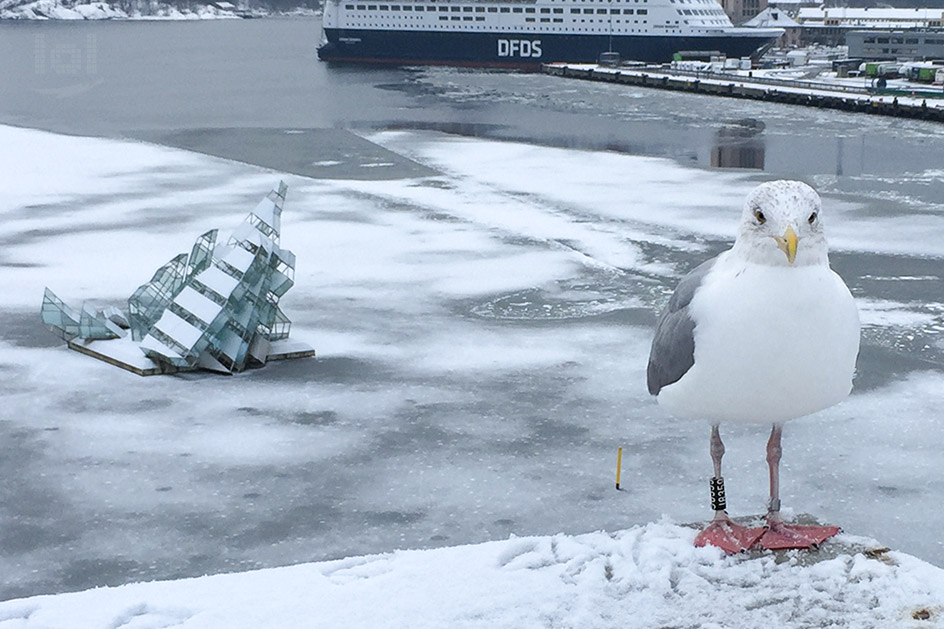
<point>482,338</point>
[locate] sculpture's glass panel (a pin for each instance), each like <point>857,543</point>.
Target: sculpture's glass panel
<point>201,256</point>
<point>280,327</point>
<point>279,283</point>
<point>92,327</point>
<point>148,302</point>
<point>60,318</point>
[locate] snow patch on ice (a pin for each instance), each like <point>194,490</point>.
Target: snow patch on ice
<point>655,195</point>
<point>881,313</point>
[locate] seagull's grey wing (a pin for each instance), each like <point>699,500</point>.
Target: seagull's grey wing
<point>673,348</point>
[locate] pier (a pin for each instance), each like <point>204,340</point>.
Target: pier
<point>917,104</point>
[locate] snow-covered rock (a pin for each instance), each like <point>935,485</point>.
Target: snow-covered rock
<point>59,10</point>
<point>646,576</point>
<point>97,11</point>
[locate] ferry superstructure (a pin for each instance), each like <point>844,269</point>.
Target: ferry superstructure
<point>527,33</point>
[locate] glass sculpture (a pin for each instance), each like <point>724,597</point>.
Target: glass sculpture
<point>216,308</point>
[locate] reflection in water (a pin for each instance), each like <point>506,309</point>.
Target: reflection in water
<point>850,162</point>
<point>739,144</point>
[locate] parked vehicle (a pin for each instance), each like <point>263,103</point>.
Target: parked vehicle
<point>880,69</point>
<point>921,72</point>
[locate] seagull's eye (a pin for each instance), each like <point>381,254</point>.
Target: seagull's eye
<point>759,217</point>
<point>812,218</point>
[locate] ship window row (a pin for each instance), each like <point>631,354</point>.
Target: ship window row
<point>611,11</point>
<point>491,9</point>
<point>531,26</point>
<point>421,7</point>
<point>466,9</point>
<point>698,12</point>
<point>487,2</point>
<point>394,7</point>
<point>444,18</point>
<point>544,20</point>
<point>608,21</point>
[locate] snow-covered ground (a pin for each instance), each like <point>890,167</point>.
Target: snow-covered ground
<point>482,338</point>
<point>641,578</point>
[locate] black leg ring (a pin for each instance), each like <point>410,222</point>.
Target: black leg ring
<point>718,502</point>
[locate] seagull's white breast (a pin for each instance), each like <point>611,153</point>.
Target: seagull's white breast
<point>772,343</point>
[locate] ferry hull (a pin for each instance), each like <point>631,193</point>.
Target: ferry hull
<point>518,50</point>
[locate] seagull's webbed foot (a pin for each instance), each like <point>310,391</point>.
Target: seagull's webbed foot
<point>779,535</point>
<point>728,535</point>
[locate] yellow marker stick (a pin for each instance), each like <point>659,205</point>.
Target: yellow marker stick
<point>619,466</point>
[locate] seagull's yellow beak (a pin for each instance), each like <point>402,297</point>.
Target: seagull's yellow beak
<point>788,243</point>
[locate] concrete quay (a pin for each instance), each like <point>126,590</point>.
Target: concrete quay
<point>927,106</point>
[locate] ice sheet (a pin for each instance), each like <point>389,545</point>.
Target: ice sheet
<point>481,340</point>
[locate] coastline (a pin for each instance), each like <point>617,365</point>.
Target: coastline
<point>44,10</point>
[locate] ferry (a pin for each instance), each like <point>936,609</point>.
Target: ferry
<point>527,33</point>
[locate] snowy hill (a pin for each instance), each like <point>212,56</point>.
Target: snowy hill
<point>72,10</point>
<point>647,576</point>
<point>59,10</point>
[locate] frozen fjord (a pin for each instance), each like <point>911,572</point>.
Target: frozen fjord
<point>482,337</point>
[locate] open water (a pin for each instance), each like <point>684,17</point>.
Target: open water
<point>145,79</point>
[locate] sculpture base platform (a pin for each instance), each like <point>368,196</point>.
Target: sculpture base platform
<point>126,354</point>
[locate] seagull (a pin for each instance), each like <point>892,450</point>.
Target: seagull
<point>763,333</point>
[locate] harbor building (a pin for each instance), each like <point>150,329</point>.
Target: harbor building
<point>774,17</point>
<point>896,44</point>
<point>740,11</point>
<point>829,26</point>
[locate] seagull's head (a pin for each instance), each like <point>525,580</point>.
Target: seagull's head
<point>782,225</point>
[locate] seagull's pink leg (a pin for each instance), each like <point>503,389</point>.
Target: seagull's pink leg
<point>780,535</point>
<point>774,454</point>
<point>722,531</point>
